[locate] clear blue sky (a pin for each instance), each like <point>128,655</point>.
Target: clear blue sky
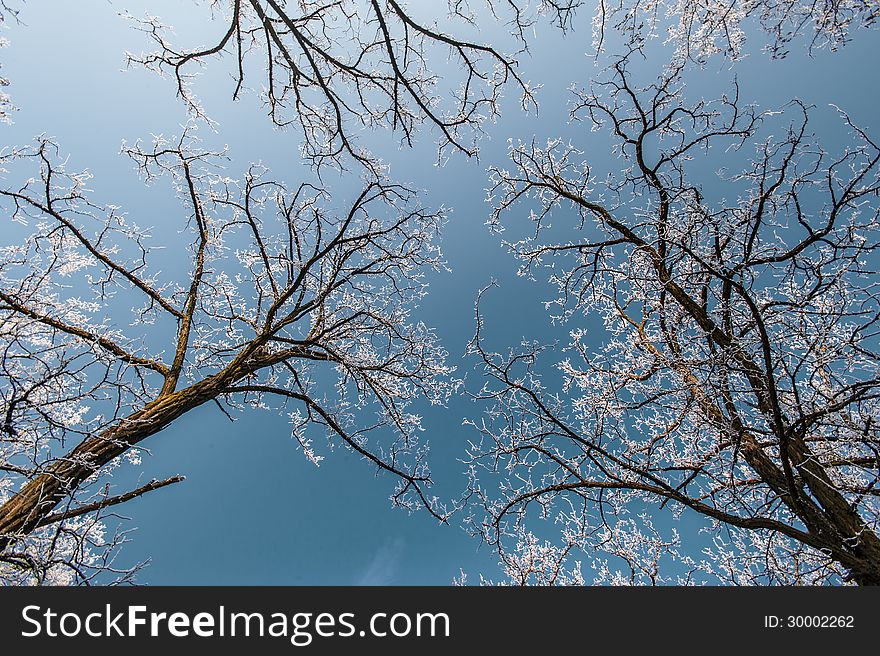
<point>253,509</point>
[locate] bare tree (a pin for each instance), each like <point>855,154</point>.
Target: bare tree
<point>284,290</point>
<point>738,378</point>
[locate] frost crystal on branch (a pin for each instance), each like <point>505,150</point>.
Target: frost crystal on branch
<point>332,69</point>
<point>701,28</point>
<point>287,292</point>
<point>739,373</point>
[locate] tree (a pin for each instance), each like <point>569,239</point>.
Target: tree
<point>738,378</point>
<point>283,290</point>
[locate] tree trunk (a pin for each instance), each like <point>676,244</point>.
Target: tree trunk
<point>38,498</point>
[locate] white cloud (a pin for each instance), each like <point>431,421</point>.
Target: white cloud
<point>382,568</point>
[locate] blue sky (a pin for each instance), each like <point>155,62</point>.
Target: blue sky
<point>253,509</point>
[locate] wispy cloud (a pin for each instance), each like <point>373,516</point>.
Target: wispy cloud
<point>382,568</point>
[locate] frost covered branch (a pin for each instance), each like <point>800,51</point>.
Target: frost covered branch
<point>289,301</point>
<point>739,375</point>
